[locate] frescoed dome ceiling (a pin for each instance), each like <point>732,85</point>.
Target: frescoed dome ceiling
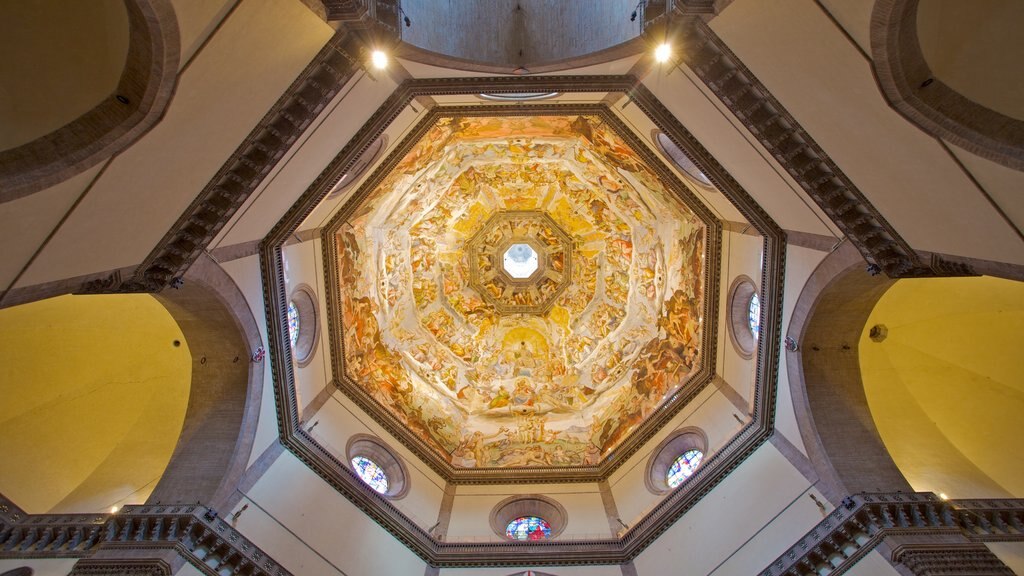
<point>520,291</point>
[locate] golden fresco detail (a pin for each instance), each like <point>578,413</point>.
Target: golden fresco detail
<point>550,369</point>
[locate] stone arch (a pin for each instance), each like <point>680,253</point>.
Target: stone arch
<point>910,87</point>
<point>835,421</point>
<point>227,385</point>
<point>143,93</point>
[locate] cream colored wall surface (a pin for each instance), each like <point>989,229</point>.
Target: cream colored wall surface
<point>395,132</point>
<point>874,564</point>
<point>339,419</point>
<point>26,222</point>
<point>946,383</point>
<point>644,128</point>
<point>775,537</point>
<point>302,266</point>
<point>354,105</point>
<point>229,86</point>
<point>800,264</point>
<point>60,60</point>
<point>855,17</point>
<point>735,148</point>
<point>309,527</point>
<point>826,83</point>
<point>40,566</point>
<point>557,570</point>
<point>470,519</point>
<point>197,19</point>
<point>95,395</point>
<point>741,255</point>
<point>975,48</point>
<point>188,570</point>
<point>471,511</point>
<point>1011,553</point>
<point>246,274</point>
<point>729,517</point>
<point>710,412</point>
<point>1002,183</point>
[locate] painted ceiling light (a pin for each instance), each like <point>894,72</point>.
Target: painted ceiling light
<point>520,291</point>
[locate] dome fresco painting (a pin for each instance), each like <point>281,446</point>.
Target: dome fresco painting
<point>492,366</point>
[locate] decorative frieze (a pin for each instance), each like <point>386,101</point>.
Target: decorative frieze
<point>863,521</point>
<point>193,531</point>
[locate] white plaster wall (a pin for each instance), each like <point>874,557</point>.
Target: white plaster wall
<point>710,411</point>
<point>741,256</point>
<point>800,264</point>
<point>246,274</point>
<point>339,419</point>
<point>229,86</point>
<point>302,522</point>
<point>735,148</point>
<point>40,566</point>
<point>471,512</point>
<point>303,265</point>
<point>710,535</point>
<point>349,110</point>
<point>826,83</point>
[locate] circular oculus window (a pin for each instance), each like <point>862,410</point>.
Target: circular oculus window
<point>377,466</point>
<point>303,331</point>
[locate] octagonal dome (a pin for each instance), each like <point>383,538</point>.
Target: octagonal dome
<point>496,368</point>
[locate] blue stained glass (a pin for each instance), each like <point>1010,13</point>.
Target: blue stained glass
<point>293,323</point>
<point>754,315</point>
<point>683,467</point>
<point>528,528</point>
<point>371,473</point>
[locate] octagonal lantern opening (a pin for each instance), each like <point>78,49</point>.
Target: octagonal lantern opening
<point>520,261</point>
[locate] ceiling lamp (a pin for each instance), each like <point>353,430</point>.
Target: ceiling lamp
<point>379,59</point>
<point>662,53</point>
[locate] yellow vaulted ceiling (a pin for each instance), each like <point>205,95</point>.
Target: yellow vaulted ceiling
<point>94,396</point>
<point>946,386</point>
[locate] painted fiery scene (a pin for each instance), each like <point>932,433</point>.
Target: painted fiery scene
<point>521,291</point>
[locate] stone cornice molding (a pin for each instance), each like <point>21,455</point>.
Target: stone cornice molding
<point>862,521</point>
<point>194,532</point>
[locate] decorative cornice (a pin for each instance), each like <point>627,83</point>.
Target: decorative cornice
<point>565,552</point>
<point>856,527</point>
<point>193,531</point>
<point>121,567</point>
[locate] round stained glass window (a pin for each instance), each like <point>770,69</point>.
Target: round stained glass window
<point>371,473</point>
<point>754,315</point>
<point>528,528</point>
<point>683,467</point>
<point>293,323</point>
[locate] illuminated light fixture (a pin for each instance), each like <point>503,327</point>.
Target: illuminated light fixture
<point>662,53</point>
<point>114,509</point>
<point>379,59</point>
<point>943,496</point>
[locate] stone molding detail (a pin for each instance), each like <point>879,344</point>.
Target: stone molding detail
<point>945,560</point>
<point>863,521</point>
<point>907,82</point>
<point>194,532</point>
<point>614,550</point>
<point>139,101</point>
<point>121,568</point>
<point>797,152</point>
<point>243,172</point>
